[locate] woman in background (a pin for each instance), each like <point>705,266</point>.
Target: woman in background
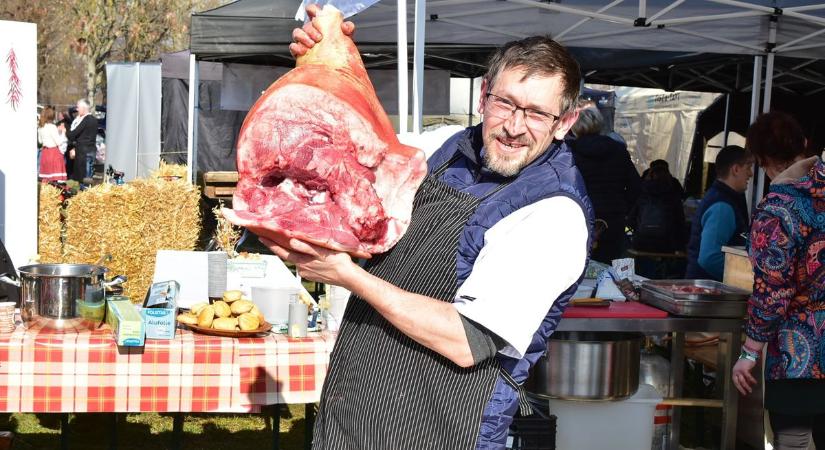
<point>611,180</point>
<point>786,311</point>
<point>52,138</point>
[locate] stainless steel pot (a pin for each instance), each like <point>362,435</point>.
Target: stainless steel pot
<point>588,366</point>
<point>48,292</point>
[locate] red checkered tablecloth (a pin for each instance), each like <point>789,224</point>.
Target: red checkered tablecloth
<point>46,371</point>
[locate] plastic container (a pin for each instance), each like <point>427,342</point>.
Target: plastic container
<point>599,425</point>
<point>273,302</point>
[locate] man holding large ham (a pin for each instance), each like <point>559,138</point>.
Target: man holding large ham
<point>444,327</point>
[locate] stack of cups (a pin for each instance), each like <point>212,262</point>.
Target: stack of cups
<point>6,317</point>
<point>217,274</point>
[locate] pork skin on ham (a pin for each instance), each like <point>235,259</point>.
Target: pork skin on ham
<point>318,159</point>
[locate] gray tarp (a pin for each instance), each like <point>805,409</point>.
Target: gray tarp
<point>133,141</point>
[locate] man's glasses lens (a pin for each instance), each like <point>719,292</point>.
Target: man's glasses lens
<point>535,119</point>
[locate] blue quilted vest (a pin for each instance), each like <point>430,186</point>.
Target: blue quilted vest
<point>718,192</point>
<point>553,173</point>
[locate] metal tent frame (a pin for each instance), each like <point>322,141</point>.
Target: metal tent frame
<point>762,29</point>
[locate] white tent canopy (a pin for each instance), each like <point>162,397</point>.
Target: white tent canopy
<point>762,29</point>
<point>704,26</point>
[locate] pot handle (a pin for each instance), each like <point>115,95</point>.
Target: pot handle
<point>120,279</point>
<point>9,279</point>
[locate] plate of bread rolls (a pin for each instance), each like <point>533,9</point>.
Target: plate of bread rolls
<point>232,316</point>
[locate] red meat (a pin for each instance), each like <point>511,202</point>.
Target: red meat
<point>318,158</point>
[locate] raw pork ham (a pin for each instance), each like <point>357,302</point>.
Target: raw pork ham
<point>318,159</point>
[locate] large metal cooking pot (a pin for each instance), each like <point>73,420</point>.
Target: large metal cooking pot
<point>588,366</point>
<point>48,292</point>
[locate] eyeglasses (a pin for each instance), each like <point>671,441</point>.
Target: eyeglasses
<point>503,109</point>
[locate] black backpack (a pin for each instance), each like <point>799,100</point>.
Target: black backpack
<point>654,224</point>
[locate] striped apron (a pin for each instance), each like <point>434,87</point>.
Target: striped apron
<point>385,391</point>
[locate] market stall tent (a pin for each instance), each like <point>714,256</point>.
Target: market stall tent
<point>650,43</point>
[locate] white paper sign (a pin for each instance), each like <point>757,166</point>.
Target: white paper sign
<point>190,269</point>
<point>18,126</point>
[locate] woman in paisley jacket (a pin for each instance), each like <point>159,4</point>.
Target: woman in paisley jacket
<point>786,312</point>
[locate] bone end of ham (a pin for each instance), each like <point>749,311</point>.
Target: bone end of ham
<point>318,159</point>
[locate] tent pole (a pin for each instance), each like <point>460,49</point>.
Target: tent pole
<point>192,121</point>
<point>470,109</point>
<point>766,105</point>
<point>727,113</point>
<point>403,74</point>
<point>137,124</point>
<point>756,87</point>
<point>418,64</point>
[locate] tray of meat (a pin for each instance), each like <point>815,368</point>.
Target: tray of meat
<point>702,298</point>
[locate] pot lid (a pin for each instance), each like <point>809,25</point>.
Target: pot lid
<point>62,270</point>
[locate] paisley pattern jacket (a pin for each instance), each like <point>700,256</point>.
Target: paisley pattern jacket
<point>787,250</point>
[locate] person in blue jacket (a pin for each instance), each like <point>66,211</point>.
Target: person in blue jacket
<point>722,217</point>
<point>442,329</point>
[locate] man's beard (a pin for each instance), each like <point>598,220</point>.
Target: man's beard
<point>506,165</point>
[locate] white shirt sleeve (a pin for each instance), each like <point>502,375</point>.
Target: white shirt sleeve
<point>529,258</point>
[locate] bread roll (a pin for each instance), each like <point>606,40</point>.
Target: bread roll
<point>188,319</point>
<point>222,309</point>
<point>232,296</point>
<point>206,316</point>
<point>197,307</point>
<point>248,321</point>
<point>241,306</point>
<point>258,313</point>
<point>225,323</point>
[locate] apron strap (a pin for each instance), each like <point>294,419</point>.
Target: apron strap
<point>524,407</point>
<point>443,168</point>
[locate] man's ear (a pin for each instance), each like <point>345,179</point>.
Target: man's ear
<point>566,122</point>
<point>482,96</point>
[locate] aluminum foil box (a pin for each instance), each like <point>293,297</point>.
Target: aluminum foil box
<point>126,323</point>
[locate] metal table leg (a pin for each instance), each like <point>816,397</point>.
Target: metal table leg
<point>730,398</point>
<point>64,431</point>
<point>309,409</point>
<point>276,426</point>
<point>677,375</point>
<point>177,431</point>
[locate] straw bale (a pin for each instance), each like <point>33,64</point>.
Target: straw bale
<point>169,171</point>
<point>132,222</point>
<point>50,224</point>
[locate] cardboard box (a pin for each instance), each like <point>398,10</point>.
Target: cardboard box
<point>159,310</point>
<point>126,323</point>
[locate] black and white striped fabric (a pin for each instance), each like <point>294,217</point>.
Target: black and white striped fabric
<point>385,391</point>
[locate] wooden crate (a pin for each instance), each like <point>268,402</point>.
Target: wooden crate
<point>220,185</point>
<point>738,270</point>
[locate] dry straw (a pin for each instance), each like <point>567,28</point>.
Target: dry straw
<point>49,224</point>
<point>226,234</point>
<point>132,222</point>
<point>169,171</point>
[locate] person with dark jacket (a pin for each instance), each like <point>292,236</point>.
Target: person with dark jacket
<point>658,219</point>
<point>722,216</point>
<point>83,135</point>
<point>610,177</point>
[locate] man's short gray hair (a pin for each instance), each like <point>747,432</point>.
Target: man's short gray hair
<point>85,103</point>
<point>590,122</point>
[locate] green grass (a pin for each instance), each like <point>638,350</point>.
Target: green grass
<point>150,431</point>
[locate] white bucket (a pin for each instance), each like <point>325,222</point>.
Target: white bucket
<point>599,425</point>
<point>273,302</point>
